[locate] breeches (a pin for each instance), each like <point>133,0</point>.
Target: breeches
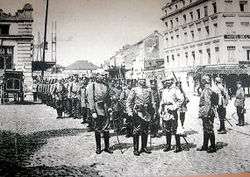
<point>101,124</point>
<point>221,112</point>
<point>208,125</point>
<point>170,126</point>
<point>139,125</point>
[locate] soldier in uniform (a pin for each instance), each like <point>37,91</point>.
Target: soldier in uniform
<point>171,101</point>
<point>155,121</point>
<point>123,99</point>
<point>60,92</point>
<point>240,103</point>
<point>222,103</point>
<point>75,95</point>
<point>207,114</point>
<point>139,105</point>
<point>98,96</point>
<point>84,102</point>
<point>116,118</point>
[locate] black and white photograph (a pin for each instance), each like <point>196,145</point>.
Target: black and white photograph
<point>124,88</point>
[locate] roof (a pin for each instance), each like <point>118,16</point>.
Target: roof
<point>82,65</point>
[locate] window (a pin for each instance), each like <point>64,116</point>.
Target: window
<point>173,57</point>
<point>6,57</point>
<point>205,11</point>
<point>177,20</point>
<point>214,7</point>
<point>242,5</point>
<point>217,49</point>
<point>185,18</point>
<point>200,57</point>
<point>248,54</point>
<point>167,59</point>
<point>172,24</point>
<point>177,36</point>
<point>191,15</point>
<point>207,30</point>
<point>186,55</point>
<point>172,37</point>
<point>176,7</point>
<point>166,23</point>
<point>231,53</point>
<point>198,13</point>
<point>193,55</point>
<point>4,29</point>
<point>208,56</point>
<point>192,33</point>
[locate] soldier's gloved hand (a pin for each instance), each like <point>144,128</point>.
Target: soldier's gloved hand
<point>94,115</point>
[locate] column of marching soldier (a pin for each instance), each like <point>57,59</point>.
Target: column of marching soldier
<point>106,104</point>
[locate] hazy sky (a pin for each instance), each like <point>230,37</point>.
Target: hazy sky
<point>93,29</point>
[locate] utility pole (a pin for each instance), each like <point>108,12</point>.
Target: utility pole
<point>45,35</point>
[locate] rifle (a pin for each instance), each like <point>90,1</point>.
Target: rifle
<point>185,99</point>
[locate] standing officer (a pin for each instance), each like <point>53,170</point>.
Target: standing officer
<point>155,122</point>
<point>207,114</point>
<point>60,92</point>
<point>98,97</point>
<point>240,103</point>
<point>123,99</point>
<point>139,104</point>
<point>222,103</point>
<point>171,101</point>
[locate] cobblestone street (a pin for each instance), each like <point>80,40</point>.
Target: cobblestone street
<point>35,143</point>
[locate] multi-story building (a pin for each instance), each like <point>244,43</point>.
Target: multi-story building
<point>141,58</point>
<point>207,36</point>
<point>16,43</point>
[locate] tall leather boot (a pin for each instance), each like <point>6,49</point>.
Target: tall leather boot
<point>136,145</point>
<point>98,142</point>
<point>106,142</point>
<point>212,148</point>
<point>178,144</point>
<point>168,141</point>
<point>144,142</point>
<point>204,147</point>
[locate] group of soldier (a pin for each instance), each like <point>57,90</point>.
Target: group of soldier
<point>138,110</point>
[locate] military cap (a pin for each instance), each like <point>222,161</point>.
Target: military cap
<point>218,80</point>
<point>239,82</point>
<point>205,79</point>
<point>168,78</point>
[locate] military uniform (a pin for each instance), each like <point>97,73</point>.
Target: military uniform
<point>155,121</point>
<point>139,105</point>
<point>60,93</point>
<point>116,118</point>
<point>75,96</point>
<point>171,101</point>
<point>84,101</point>
<point>98,96</point>
<point>222,103</point>
<point>128,120</point>
<point>240,103</point>
<point>207,114</point>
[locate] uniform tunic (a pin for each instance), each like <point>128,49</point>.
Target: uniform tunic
<point>140,104</point>
<point>206,111</point>
<point>98,96</point>
<point>171,101</point>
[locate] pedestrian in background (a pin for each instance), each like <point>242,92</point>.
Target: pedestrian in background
<point>240,104</point>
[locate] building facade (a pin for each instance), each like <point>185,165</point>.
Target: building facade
<point>141,58</point>
<point>16,43</point>
<point>207,36</point>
